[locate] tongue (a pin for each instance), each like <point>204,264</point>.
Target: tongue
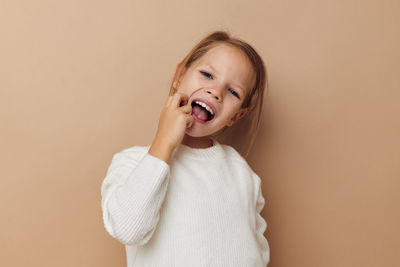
<point>200,113</point>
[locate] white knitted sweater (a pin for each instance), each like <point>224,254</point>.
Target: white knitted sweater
<point>202,209</point>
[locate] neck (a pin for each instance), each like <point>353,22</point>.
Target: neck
<point>197,142</point>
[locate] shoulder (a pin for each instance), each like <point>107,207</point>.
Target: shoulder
<point>130,155</point>
<point>234,157</point>
<point>123,161</point>
<point>238,165</point>
<point>133,152</point>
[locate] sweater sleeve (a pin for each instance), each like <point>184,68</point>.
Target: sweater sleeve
<point>133,192</point>
<point>261,226</point>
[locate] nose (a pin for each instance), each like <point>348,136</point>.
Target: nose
<point>215,93</point>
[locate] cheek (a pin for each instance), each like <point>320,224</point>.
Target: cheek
<point>229,112</point>
<point>185,87</point>
<point>190,83</point>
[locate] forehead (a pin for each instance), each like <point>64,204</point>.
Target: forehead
<point>230,62</point>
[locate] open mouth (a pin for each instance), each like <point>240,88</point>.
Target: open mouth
<point>202,112</point>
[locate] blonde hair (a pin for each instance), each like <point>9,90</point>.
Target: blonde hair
<point>253,100</point>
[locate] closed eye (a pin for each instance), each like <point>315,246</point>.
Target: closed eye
<point>234,93</point>
<point>206,74</point>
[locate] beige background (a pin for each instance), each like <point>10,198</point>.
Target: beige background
<point>81,80</point>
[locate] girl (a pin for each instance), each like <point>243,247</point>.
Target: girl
<point>186,199</point>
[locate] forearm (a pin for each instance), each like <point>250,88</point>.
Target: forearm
<point>160,150</point>
<point>131,209</point>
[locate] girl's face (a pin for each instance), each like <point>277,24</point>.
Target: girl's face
<point>221,78</point>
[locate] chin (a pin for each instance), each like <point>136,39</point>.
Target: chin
<point>197,132</point>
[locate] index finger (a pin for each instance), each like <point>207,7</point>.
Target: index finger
<point>179,98</point>
<point>169,100</point>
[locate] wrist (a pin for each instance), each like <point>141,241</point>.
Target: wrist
<point>161,150</point>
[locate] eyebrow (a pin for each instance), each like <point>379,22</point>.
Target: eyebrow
<point>235,85</point>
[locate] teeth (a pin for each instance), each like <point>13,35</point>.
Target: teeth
<point>204,105</point>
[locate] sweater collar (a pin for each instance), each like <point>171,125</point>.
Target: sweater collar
<point>212,152</point>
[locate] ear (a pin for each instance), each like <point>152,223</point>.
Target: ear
<point>237,116</point>
<point>177,75</point>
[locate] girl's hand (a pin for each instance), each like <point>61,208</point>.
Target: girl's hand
<point>175,118</point>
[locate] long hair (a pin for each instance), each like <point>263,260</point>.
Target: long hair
<point>253,100</point>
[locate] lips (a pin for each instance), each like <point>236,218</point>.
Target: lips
<point>208,103</point>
